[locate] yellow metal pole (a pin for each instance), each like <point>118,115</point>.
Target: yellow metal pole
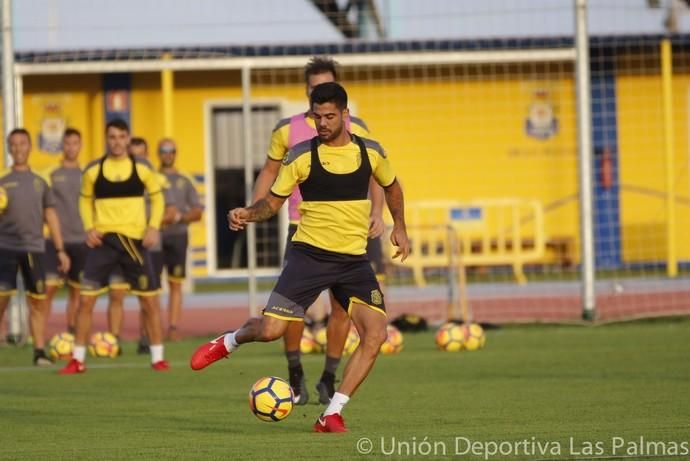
<point>167,84</point>
<point>669,150</point>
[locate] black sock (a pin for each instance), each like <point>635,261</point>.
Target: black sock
<point>331,365</point>
<point>296,374</point>
<point>39,353</point>
<point>294,358</point>
<point>328,377</point>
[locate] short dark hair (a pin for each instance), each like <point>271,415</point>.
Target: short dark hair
<point>69,131</point>
<point>23,131</point>
<point>329,92</point>
<point>320,65</point>
<point>138,141</point>
<point>117,123</point>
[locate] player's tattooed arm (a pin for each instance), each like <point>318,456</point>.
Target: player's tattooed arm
<point>395,202</point>
<point>261,210</point>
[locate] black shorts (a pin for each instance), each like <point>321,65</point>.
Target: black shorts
<point>374,252</point>
<point>77,256</point>
<point>173,257</point>
<point>30,265</point>
<point>117,281</point>
<point>292,228</point>
<point>126,253</point>
<point>375,255</point>
<point>311,271</point>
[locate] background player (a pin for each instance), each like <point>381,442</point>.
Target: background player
<point>28,203</point>
<point>112,208</point>
<point>174,236</point>
<point>138,147</point>
<point>65,181</point>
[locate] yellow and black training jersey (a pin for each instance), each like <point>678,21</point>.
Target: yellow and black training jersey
<point>280,138</point>
<point>112,196</point>
<point>334,182</point>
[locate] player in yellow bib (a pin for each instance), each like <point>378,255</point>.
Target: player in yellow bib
<point>288,133</point>
<point>333,171</point>
<point>118,234</point>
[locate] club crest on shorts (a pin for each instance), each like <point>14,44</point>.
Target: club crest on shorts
<point>376,297</point>
<point>143,282</point>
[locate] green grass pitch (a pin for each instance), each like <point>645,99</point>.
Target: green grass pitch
<point>545,385</point>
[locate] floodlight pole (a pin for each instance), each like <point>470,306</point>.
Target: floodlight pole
<point>584,134</point>
<point>8,95</point>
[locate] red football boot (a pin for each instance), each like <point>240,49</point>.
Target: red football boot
<point>208,353</point>
<point>330,423</point>
<point>161,365</point>
<point>73,367</point>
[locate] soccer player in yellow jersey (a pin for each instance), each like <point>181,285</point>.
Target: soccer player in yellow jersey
<point>118,234</point>
<point>287,134</point>
<point>333,171</point>
<point>138,147</point>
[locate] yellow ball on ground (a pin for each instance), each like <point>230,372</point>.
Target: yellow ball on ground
<point>321,337</point>
<point>271,399</point>
<point>449,337</point>
<point>61,346</point>
<point>394,341</point>
<point>103,344</point>
<point>352,341</point>
<point>307,344</point>
<point>473,336</point>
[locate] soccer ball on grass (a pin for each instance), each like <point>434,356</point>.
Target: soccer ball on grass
<point>394,341</point>
<point>103,344</point>
<point>450,337</point>
<point>61,346</point>
<point>307,344</point>
<point>271,399</point>
<point>473,336</point>
<point>351,342</point>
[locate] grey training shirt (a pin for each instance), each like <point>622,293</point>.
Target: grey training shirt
<point>21,224</point>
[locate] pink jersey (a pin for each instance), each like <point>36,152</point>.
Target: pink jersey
<point>300,131</point>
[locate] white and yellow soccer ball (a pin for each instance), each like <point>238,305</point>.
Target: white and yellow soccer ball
<point>352,341</point>
<point>449,337</point>
<point>321,338</point>
<point>61,346</point>
<point>103,344</point>
<point>307,344</point>
<point>472,336</point>
<point>271,399</point>
<point>394,341</point>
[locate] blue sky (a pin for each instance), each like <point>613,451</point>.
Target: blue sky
<point>89,24</point>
